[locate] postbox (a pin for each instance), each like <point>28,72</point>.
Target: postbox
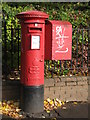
<point>41,39</point>
<point>58,40</point>
<point>32,60</point>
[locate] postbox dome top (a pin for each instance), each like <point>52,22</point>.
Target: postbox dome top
<point>32,14</point>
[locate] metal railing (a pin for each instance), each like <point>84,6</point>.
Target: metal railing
<point>11,45</point>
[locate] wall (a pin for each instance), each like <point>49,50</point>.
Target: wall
<point>67,88</point>
<point>64,88</point>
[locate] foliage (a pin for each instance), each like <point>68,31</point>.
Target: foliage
<point>76,13</point>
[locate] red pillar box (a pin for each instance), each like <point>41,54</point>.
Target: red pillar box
<point>58,40</point>
<point>32,60</point>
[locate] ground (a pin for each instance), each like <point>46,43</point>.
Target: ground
<point>69,110</point>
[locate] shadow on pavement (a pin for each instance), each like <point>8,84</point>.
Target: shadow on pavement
<point>74,111</point>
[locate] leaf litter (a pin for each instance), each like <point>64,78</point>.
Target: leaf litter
<point>11,108</point>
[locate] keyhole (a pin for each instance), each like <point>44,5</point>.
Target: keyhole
<point>27,79</point>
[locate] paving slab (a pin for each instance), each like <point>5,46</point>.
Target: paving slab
<point>79,110</point>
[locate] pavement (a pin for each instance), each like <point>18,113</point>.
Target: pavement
<point>74,111</point>
<point>69,110</point>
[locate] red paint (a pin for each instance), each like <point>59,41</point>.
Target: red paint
<point>32,55</point>
<point>58,40</point>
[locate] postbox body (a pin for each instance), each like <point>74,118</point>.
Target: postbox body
<point>58,40</point>
<point>32,60</point>
<point>32,47</point>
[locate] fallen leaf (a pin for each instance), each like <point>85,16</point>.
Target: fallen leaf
<point>64,108</point>
<point>75,103</point>
<point>48,111</point>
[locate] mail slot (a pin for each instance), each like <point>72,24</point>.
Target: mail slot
<point>58,40</point>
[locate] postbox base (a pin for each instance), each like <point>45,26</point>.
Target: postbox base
<point>32,99</point>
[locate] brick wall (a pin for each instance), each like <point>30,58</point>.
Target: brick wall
<point>67,88</point>
<point>64,88</point>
